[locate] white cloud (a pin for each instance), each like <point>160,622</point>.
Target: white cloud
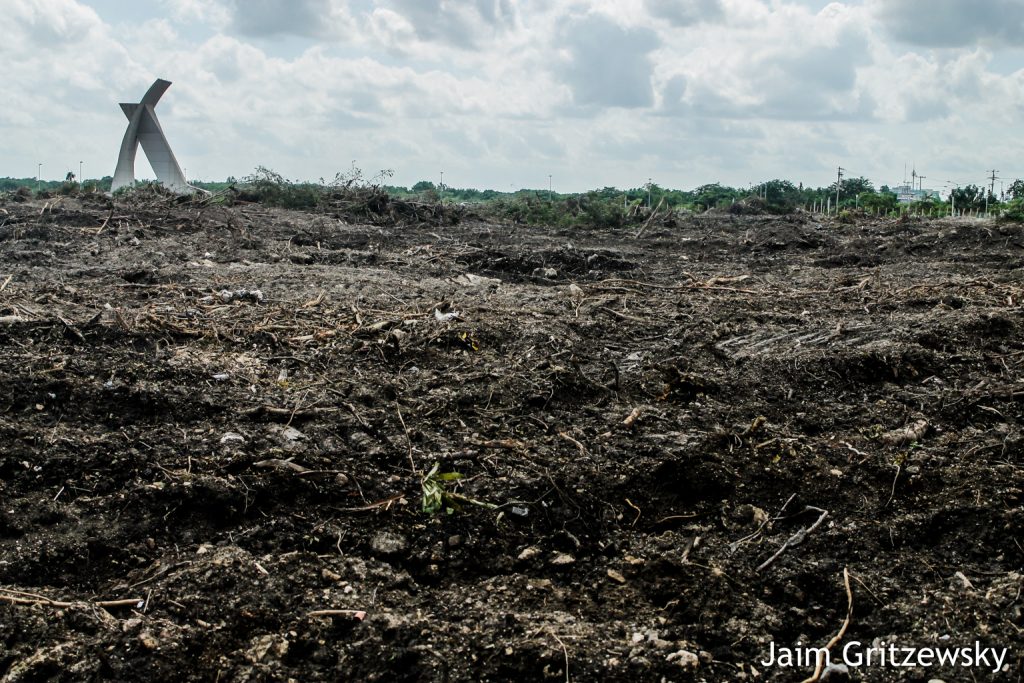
<point>605,64</point>
<point>499,92</point>
<point>457,24</point>
<point>324,19</point>
<point>953,23</point>
<point>205,11</point>
<point>51,22</point>
<point>685,12</point>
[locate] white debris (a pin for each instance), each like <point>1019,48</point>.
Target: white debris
<point>470,280</point>
<point>562,559</point>
<point>292,434</point>
<point>685,659</point>
<point>445,317</point>
<point>528,553</point>
<point>232,436</point>
<point>226,296</point>
<point>904,435</point>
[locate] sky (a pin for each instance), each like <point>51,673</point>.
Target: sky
<point>508,94</point>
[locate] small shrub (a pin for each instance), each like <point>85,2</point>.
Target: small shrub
<point>273,189</point>
<point>1013,211</point>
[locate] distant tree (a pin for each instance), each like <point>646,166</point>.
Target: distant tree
<point>781,195</point>
<point>855,186</point>
<point>882,202</point>
<point>968,198</point>
<point>423,186</point>
<point>713,194</point>
<point>607,192</point>
<point>850,189</point>
<point>1016,189</point>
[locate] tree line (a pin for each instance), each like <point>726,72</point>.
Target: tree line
<point>857,194</point>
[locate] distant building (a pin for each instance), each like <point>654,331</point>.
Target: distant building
<point>907,194</point>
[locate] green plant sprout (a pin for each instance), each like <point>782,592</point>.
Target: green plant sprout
<point>436,497</point>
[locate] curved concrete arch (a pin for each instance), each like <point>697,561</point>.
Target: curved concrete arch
<point>144,128</point>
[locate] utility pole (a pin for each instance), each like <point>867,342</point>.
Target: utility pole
<point>440,188</point>
<point>648,193</point>
<point>80,178</point>
<point>991,188</point>
<point>839,183</point>
<point>550,194</point>
<point>39,173</point>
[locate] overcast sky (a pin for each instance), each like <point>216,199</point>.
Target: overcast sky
<point>502,93</point>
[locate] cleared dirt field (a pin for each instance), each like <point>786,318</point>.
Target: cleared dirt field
<point>216,424</point>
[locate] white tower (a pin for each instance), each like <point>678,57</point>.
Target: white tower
<point>144,128</point>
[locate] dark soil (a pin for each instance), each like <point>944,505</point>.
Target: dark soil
<point>225,416</point>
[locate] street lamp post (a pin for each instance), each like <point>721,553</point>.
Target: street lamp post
<point>39,173</point>
<point>80,178</point>
<point>550,194</point>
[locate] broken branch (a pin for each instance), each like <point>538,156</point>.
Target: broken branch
<point>820,665</point>
<point>797,538</point>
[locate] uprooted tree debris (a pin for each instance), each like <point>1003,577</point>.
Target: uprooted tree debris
<point>383,440</point>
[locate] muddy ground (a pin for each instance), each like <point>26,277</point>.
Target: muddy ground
<point>217,422</point>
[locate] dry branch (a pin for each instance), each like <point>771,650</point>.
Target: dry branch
<point>650,218</point>
<point>22,598</point>
<point>820,665</point>
<point>797,538</point>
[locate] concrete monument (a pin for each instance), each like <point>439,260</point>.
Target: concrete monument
<point>144,128</point>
